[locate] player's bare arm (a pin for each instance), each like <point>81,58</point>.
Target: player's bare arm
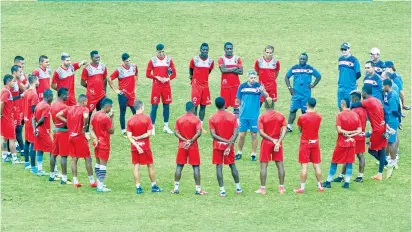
<point>111,84</point>
<point>61,117</point>
<point>217,137</point>
<point>143,136</point>
<point>33,124</point>
<point>83,62</point>
<point>105,83</point>
<point>133,141</point>
<point>85,120</point>
<point>287,81</point>
<point>1,107</point>
<point>111,129</point>
<point>191,74</point>
<point>231,141</point>
<point>177,134</point>
<point>224,69</point>
<point>54,86</point>
<point>190,141</point>
<point>315,83</point>
<point>83,83</point>
<point>267,137</point>
<point>238,70</point>
<point>95,139</point>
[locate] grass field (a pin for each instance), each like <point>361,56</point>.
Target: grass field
<point>31,203</point>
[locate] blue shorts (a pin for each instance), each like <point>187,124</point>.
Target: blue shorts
<point>392,138</point>
<point>298,102</point>
<point>343,93</point>
<point>248,124</point>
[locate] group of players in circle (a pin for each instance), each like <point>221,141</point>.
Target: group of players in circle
<point>28,101</point>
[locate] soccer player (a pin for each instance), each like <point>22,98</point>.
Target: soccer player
<point>248,97</point>
<point>101,128</point>
<point>373,80</point>
<point>231,67</point>
<point>188,129</point>
<point>61,145</point>
<point>378,64</point>
<point>43,74</point>
<point>161,70</point>
<point>302,86</point>
<point>390,67</point>
<point>309,147</point>
<point>349,72</point>
<point>267,68</point>
<point>272,128</point>
<point>127,77</point>
<point>223,127</point>
<point>139,129</point>
<point>19,60</point>
<point>7,120</point>
<point>359,139</point>
<point>16,91</point>
<point>64,76</point>
<point>94,79</point>
<point>31,99</point>
<point>199,69</point>
<point>348,125</point>
<point>76,118</point>
<point>41,127</point>
<point>390,104</point>
<point>378,140</point>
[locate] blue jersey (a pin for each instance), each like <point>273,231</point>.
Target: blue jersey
<point>348,67</point>
<point>376,82</point>
<point>249,96</point>
<point>396,88</point>
<point>302,78</point>
<point>390,104</point>
<point>379,66</point>
<point>397,79</point>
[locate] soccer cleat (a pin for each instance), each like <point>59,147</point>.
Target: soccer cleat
<point>167,130</point>
<point>78,185</point>
<point>238,156</point>
<point>27,165</point>
<point>359,179</point>
<point>175,191</point>
<point>93,185</point>
<point>282,190</point>
<point>65,182</point>
<point>261,191</point>
<point>326,184</point>
<point>17,161</point>
<point>368,134</point>
<point>51,179</point>
<point>389,171</point>
<point>321,190</point>
<point>139,190</point>
<point>201,192</point>
<point>299,191</point>
<point>156,189</point>
<point>103,190</point>
<point>223,194</point>
<point>253,157</point>
<point>33,170</point>
<point>406,107</point>
<point>377,177</point>
<point>42,173</point>
<point>239,191</point>
<point>58,175</point>
<point>345,185</point>
<point>289,129</point>
<point>125,135</point>
<point>338,179</point>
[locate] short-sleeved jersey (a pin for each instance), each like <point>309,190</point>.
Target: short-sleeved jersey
<point>223,123</point>
<point>302,78</point>
<point>188,125</point>
<point>348,67</point>
<point>75,119</point>
<point>127,79</point>
<point>362,114</point>
<point>271,122</point>
<point>375,82</point>
<point>379,66</point>
<point>56,107</point>
<point>347,120</point>
<point>94,77</point>
<point>65,77</point>
<point>309,124</point>
<point>390,104</point>
<point>101,124</point>
<point>161,67</point>
<point>201,69</point>
<point>44,80</point>
<point>230,79</point>
<point>249,96</point>
<point>43,110</point>
<point>8,111</point>
<point>30,99</point>
<point>375,112</point>
<point>267,71</point>
<point>138,125</point>
<point>15,91</point>
<point>398,80</point>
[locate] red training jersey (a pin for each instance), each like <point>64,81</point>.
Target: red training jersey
<point>94,76</point>
<point>8,111</point>
<point>15,91</point>
<point>127,79</point>
<point>139,124</point>
<point>188,125</point>
<point>230,79</point>
<point>201,69</point>
<point>347,120</point>
<point>223,123</point>
<point>31,99</point>
<point>101,123</point>
<point>44,80</point>
<point>160,67</point>
<point>56,107</point>
<point>375,112</point>
<point>362,114</point>
<point>43,110</point>
<point>64,77</point>
<point>271,122</point>
<point>309,124</point>
<point>75,119</point>
<point>267,71</point>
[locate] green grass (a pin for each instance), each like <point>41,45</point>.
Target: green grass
<point>30,203</point>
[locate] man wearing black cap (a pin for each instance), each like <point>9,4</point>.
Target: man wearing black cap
<point>188,129</point>
<point>161,70</point>
<point>390,67</point>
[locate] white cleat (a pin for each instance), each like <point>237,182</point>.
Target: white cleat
<point>167,130</point>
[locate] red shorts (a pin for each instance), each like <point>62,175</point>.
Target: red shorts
<point>219,158</point>
<point>79,146</point>
<point>309,152</point>
<point>61,145</point>
<point>343,155</point>
<point>43,141</point>
<point>190,156</point>
<point>229,94</point>
<point>377,141</point>
<point>8,129</point>
<point>268,154</point>
<point>273,93</point>
<point>145,158</point>
<point>28,132</point>
<point>20,116</point>
<point>102,154</point>
<point>92,103</point>
<point>164,93</point>
<point>71,101</point>
<point>130,99</point>
<point>360,146</point>
<point>200,95</point>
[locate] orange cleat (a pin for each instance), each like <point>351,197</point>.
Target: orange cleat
<point>78,185</point>
<point>93,185</point>
<point>299,191</point>
<point>261,191</point>
<point>282,190</point>
<point>321,189</point>
<point>377,177</point>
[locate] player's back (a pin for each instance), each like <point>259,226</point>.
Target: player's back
<point>138,124</point>
<point>7,99</point>
<point>56,107</point>
<point>271,122</point>
<point>187,125</point>
<point>309,124</point>
<point>101,122</point>
<point>43,110</point>
<point>362,114</point>
<point>223,123</point>
<point>349,120</point>
<point>75,119</point>
<point>375,111</point>
<point>30,99</point>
